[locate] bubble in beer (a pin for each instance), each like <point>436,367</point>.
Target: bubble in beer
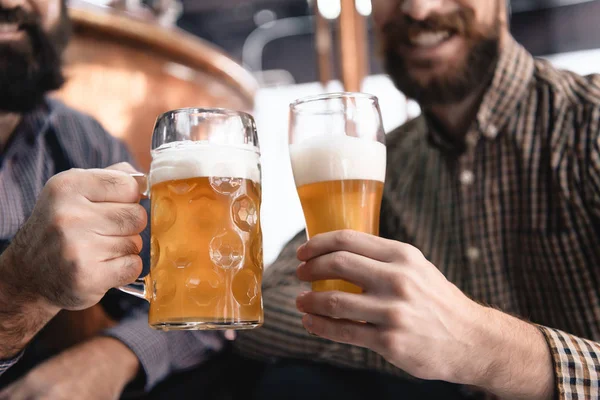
<point>181,255</point>
<point>225,186</point>
<point>245,215</point>
<point>163,288</point>
<point>164,214</point>
<point>204,286</point>
<point>154,252</point>
<point>245,287</point>
<point>181,188</point>
<point>227,250</point>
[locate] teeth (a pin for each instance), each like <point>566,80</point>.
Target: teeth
<point>8,28</point>
<point>429,39</point>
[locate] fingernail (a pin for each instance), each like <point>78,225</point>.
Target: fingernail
<point>300,249</point>
<point>299,270</point>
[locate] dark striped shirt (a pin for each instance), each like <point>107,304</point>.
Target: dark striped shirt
<point>55,138</point>
<point>512,217</point>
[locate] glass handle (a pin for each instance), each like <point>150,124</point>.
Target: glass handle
<point>137,289</point>
<point>143,183</point>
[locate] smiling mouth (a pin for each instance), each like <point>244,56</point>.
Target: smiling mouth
<point>9,27</point>
<point>429,39</point>
<point>10,30</point>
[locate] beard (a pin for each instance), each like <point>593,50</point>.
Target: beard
<point>31,68</point>
<point>457,82</point>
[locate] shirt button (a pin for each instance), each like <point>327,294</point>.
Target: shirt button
<point>472,139</point>
<point>473,253</point>
<point>491,132</point>
<point>467,177</point>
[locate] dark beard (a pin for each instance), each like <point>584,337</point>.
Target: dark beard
<point>454,85</point>
<point>450,88</point>
<point>28,72</point>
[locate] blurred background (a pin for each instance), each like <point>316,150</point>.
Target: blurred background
<point>132,60</point>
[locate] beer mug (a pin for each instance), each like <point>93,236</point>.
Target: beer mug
<point>338,156</point>
<point>206,242</point>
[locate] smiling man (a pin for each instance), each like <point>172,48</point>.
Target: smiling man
<point>487,273</point>
<point>71,228</point>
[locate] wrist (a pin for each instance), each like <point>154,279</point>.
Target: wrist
<point>514,359</point>
<point>17,288</point>
<point>24,313</point>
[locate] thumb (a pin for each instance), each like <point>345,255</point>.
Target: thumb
<point>140,178</point>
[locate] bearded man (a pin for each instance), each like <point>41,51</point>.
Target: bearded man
<point>486,275</point>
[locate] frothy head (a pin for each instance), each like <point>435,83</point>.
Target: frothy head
<point>337,158</point>
<point>185,160</point>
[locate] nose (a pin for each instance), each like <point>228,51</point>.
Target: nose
<point>421,9</point>
<point>11,3</point>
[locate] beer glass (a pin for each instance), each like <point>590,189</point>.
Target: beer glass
<point>206,246</point>
<point>338,156</point>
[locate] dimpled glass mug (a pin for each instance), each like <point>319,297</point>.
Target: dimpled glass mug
<point>206,247</point>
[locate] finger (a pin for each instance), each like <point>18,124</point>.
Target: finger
<point>121,271</point>
<point>116,219</point>
<point>341,331</point>
<point>359,270</point>
<point>355,307</point>
<point>114,247</point>
<point>359,243</point>
<point>104,185</point>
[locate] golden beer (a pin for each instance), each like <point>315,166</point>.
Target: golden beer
<point>340,186</point>
<point>337,205</point>
<point>206,258</point>
<point>206,252</point>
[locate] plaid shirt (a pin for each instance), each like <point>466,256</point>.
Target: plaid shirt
<point>55,138</point>
<point>512,217</point>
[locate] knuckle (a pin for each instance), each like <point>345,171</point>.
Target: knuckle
<point>410,253</point>
<point>118,181</point>
<point>397,283</point>
<point>132,246</point>
<point>339,261</point>
<point>332,304</point>
<point>62,220</point>
<point>141,216</point>
<point>345,237</point>
<point>129,219</point>
<point>138,242</point>
<point>132,268</point>
<point>387,340</point>
<point>63,182</point>
<point>393,316</point>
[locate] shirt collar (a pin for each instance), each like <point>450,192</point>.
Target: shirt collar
<point>35,122</point>
<point>512,76</point>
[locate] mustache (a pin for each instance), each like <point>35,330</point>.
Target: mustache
<point>461,22</point>
<point>18,15</point>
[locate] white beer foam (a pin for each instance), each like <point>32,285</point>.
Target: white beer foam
<point>184,160</point>
<point>337,158</point>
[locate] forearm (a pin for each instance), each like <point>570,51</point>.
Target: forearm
<point>22,315</point>
<point>514,358</point>
<point>163,353</point>
<point>110,356</point>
